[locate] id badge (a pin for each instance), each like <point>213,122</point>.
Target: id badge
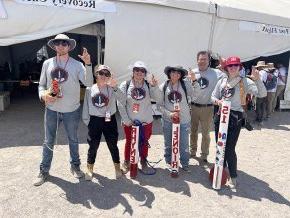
<point>135,108</point>
<point>176,106</point>
<point>107,116</point>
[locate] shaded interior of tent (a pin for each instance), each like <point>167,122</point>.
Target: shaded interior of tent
<point>20,64</point>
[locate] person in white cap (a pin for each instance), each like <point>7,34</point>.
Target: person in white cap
<point>59,89</point>
<point>136,107</point>
<point>99,115</point>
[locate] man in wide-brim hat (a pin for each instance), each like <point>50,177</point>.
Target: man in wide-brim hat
<point>261,65</point>
<point>59,89</point>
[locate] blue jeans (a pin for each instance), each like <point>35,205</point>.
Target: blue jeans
<point>184,142</point>
<point>51,121</point>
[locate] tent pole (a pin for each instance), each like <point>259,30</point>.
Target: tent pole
<point>213,21</point>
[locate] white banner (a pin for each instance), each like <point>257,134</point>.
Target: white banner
<point>264,28</point>
<point>3,13</point>
<point>91,5</point>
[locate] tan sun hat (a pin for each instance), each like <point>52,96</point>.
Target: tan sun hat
<point>261,64</point>
<point>270,66</point>
<point>62,37</point>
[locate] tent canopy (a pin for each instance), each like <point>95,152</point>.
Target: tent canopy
<point>164,32</point>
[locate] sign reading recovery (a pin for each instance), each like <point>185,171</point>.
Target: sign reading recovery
<point>94,5</point>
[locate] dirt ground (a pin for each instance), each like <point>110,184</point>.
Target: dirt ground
<point>263,177</point>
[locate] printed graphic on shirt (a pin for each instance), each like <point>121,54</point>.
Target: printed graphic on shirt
<point>174,97</point>
<point>203,82</point>
<point>59,74</point>
<point>228,92</point>
<point>100,100</point>
<point>138,93</point>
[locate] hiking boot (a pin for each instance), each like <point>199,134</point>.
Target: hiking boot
<point>233,183</point>
<point>126,166</point>
<point>118,172</point>
<point>41,178</point>
<point>90,172</point>
<point>76,171</point>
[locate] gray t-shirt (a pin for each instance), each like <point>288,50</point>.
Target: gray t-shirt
<point>137,103</point>
<point>166,102</point>
<point>233,94</point>
<point>98,101</point>
<point>207,81</point>
<point>69,82</point>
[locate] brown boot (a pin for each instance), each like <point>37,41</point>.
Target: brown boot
<point>126,166</point>
<point>118,171</point>
<point>89,173</point>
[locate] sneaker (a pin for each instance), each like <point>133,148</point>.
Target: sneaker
<point>41,178</point>
<point>233,183</point>
<point>186,169</point>
<point>145,168</point>
<point>126,166</point>
<point>76,171</point>
<point>168,167</point>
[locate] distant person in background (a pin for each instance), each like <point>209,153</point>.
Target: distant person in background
<point>261,97</point>
<point>282,72</point>
<point>271,86</point>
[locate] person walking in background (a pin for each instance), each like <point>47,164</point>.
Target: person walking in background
<point>271,86</point>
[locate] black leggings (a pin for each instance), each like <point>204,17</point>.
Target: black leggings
<point>234,128</point>
<point>96,127</point>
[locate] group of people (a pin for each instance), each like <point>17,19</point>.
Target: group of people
<point>274,80</point>
<point>186,97</point>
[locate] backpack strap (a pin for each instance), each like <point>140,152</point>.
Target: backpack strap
<point>243,94</point>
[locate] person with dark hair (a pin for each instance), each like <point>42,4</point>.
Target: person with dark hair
<point>234,88</point>
<point>173,104</point>
<point>136,107</point>
<point>202,107</point>
<point>99,115</point>
<point>282,72</point>
<point>59,89</point>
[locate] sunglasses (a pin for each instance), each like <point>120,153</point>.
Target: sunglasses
<point>233,65</point>
<point>137,69</point>
<point>104,73</point>
<point>61,42</point>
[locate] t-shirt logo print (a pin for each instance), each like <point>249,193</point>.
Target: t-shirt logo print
<point>203,82</point>
<point>138,93</point>
<point>100,100</point>
<point>59,74</point>
<point>174,97</point>
<point>228,92</point>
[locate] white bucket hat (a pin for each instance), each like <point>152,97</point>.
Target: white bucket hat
<point>139,64</point>
<point>72,42</point>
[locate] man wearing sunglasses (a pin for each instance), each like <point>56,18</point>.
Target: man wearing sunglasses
<point>201,106</point>
<point>59,89</point>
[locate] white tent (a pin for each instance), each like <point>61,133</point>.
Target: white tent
<point>162,32</point>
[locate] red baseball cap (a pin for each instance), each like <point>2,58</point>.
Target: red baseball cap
<point>233,61</point>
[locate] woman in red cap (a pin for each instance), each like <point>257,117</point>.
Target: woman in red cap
<point>234,88</point>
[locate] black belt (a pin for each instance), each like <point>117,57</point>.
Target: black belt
<point>201,105</point>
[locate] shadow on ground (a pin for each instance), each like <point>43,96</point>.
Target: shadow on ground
<point>105,194</point>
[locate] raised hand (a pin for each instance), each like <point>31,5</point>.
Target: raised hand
<point>255,74</point>
<point>191,75</point>
<point>112,82</point>
<point>153,82</point>
<point>86,58</point>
